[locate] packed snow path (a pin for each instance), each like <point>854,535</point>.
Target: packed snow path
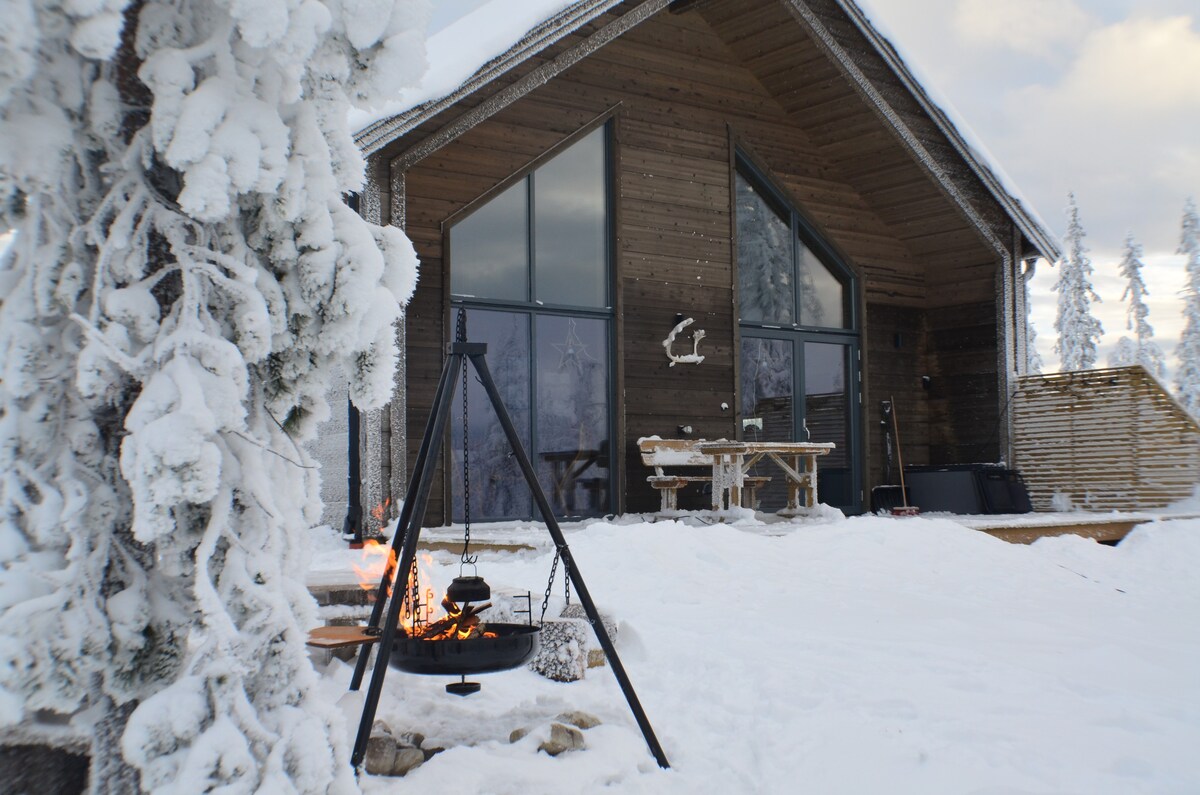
<point>864,655</point>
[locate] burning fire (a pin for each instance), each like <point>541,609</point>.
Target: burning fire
<point>460,623</point>
<point>376,559</point>
<point>424,621</point>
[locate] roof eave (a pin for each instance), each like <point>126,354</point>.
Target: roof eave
<point>377,135</point>
<point>1030,227</point>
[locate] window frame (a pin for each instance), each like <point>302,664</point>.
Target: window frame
<point>527,175</point>
<point>804,231</point>
<point>534,308</point>
<point>849,334</point>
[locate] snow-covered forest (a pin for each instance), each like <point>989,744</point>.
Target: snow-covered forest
<point>1079,332</point>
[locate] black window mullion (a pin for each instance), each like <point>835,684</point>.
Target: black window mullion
<point>533,401</point>
<point>611,375</point>
<point>799,397</point>
<point>532,239</point>
<point>796,296</point>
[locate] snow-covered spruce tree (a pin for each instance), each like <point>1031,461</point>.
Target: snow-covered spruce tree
<point>1187,377</point>
<point>1033,359</point>
<point>183,278</point>
<point>1078,331</point>
<point>1141,349</point>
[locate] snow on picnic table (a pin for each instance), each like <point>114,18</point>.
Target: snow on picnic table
<point>870,654</point>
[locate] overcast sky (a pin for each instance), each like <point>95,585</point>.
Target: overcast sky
<point>1099,97</point>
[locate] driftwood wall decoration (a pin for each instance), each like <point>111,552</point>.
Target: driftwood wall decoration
<point>688,358</point>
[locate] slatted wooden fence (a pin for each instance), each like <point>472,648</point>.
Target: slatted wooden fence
<point>1107,439</point>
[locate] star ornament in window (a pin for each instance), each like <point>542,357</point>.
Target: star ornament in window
<point>574,352</point>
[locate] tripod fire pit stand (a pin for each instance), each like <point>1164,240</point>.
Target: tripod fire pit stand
<point>408,529</point>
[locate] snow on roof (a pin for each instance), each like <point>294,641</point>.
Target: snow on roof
<point>462,48</point>
<point>497,35</point>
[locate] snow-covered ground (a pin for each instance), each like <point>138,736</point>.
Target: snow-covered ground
<point>863,655</point>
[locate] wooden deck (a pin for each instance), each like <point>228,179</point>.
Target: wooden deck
<point>1107,528</point>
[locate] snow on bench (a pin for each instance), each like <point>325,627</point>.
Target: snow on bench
<point>684,454</point>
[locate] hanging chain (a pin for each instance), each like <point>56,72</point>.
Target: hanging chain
<point>465,558</point>
<point>549,585</point>
<point>567,578</point>
<point>410,595</point>
<point>566,559</point>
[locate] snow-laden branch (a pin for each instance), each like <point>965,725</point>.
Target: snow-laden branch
<point>184,272</point>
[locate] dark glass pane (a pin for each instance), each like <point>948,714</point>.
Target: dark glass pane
<point>767,389</point>
<point>826,416</point>
<point>572,397</point>
<point>822,301</point>
<point>498,489</point>
<point>766,292</point>
<point>767,402</point>
<point>489,249</point>
<point>570,226</point>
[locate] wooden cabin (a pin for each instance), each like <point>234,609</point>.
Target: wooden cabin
<point>769,170</point>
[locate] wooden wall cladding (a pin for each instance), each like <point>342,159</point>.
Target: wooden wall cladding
<point>684,87</point>
<point>963,394</point>
<point>1106,439</point>
<point>896,344</point>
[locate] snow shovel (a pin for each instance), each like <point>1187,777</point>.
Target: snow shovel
<point>905,509</point>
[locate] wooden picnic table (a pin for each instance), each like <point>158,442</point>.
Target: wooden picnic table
<point>731,460</point>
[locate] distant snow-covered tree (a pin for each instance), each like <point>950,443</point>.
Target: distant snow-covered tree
<point>1141,349</point>
<point>183,278</point>
<point>1078,330</point>
<point>1187,377</point>
<point>1033,359</point>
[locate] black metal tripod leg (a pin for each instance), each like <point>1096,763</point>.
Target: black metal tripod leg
<point>408,552</point>
<point>427,443</point>
<point>560,542</point>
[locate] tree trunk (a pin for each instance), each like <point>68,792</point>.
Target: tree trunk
<point>110,773</point>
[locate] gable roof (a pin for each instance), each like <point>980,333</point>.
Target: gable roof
<point>378,134</point>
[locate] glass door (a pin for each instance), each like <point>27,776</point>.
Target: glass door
<point>828,416</point>
<point>799,387</point>
<point>800,337</point>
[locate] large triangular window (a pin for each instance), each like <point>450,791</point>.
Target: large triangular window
<point>782,280</point>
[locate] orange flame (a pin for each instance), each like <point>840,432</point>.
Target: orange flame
<point>459,623</point>
<point>376,559</point>
<point>379,558</point>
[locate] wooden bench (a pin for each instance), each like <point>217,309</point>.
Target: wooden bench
<point>683,454</point>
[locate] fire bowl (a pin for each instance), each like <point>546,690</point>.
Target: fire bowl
<point>513,645</point>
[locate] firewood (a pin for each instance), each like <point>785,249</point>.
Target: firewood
<point>468,617</point>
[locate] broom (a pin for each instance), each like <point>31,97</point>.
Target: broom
<point>905,509</point>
